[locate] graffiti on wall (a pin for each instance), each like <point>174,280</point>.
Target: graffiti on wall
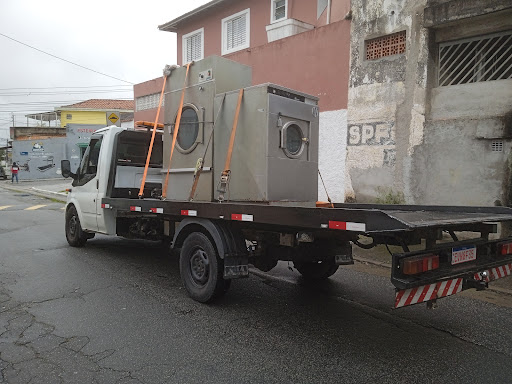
<point>379,133</point>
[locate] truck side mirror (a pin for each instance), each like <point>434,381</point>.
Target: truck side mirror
<point>65,167</point>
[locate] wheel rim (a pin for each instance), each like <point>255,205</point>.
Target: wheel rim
<point>72,225</point>
<point>200,267</point>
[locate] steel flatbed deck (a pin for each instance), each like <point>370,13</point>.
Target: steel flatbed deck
<point>359,218</point>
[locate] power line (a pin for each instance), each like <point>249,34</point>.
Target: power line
<point>69,87</point>
<point>50,102</point>
<point>67,61</point>
<point>63,93</point>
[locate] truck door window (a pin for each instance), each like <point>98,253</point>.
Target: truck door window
<point>89,163</point>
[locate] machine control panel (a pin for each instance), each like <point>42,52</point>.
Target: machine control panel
<point>205,76</point>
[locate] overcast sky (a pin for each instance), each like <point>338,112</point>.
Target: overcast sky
<point>115,37</point>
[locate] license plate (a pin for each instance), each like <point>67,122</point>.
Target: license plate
<point>463,254</point>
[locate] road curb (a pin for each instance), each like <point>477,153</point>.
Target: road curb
<point>50,192</point>
<point>387,266</point>
<point>59,196</point>
<point>372,262</point>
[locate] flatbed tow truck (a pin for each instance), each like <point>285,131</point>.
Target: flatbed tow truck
<point>218,240</point>
<point>119,189</point>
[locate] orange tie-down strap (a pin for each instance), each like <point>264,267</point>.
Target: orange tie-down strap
<point>175,135</point>
<point>226,174</point>
<point>227,165</point>
<point>155,125</point>
<point>200,162</point>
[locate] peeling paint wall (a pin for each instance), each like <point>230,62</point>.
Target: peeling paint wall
<point>409,135</point>
<point>386,98</point>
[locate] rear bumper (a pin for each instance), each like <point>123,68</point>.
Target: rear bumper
<point>445,288</point>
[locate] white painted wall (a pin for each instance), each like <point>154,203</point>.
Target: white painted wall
<point>332,155</point>
<point>127,124</point>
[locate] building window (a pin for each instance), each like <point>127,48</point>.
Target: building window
<point>389,45</point>
<point>68,116</point>
<point>278,10</point>
<point>236,32</point>
<point>192,46</point>
<point>483,58</point>
<point>148,102</point>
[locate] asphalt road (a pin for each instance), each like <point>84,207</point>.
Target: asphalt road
<point>115,312</point>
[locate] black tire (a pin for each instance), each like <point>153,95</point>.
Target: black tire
<point>320,270</point>
<point>75,236</point>
<point>201,269</point>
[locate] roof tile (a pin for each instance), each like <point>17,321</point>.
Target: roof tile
<point>106,104</point>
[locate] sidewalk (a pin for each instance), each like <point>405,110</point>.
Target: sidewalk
<point>49,188</point>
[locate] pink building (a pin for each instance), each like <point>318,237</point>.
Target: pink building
<point>300,44</point>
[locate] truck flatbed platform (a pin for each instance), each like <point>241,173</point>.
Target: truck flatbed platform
<point>362,218</point>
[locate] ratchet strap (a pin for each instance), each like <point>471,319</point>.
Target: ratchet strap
<point>175,134</point>
<point>143,182</point>
<point>200,161</point>
<point>224,178</point>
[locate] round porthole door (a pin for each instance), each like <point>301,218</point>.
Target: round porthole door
<point>188,133</point>
<point>293,140</point>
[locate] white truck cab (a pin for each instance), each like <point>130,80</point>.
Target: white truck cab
<point>112,166</point>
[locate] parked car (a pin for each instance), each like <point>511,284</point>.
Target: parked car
<point>3,175</point>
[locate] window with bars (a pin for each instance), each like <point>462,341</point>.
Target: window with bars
<point>278,9</point>
<point>483,58</point>
<point>193,46</point>
<point>235,32</point>
<point>148,102</point>
<point>388,45</point>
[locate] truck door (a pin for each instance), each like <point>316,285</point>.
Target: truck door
<point>87,184</point>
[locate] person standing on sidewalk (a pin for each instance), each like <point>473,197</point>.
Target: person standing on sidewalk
<point>14,172</point>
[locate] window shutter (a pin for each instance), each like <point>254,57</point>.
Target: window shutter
<point>236,32</point>
<point>194,47</point>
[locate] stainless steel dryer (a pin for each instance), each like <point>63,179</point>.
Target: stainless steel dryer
<point>206,78</point>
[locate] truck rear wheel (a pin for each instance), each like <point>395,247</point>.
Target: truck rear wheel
<point>75,236</point>
<point>201,269</point>
<point>317,270</point>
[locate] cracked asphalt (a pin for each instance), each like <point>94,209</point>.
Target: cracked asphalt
<point>115,312</point>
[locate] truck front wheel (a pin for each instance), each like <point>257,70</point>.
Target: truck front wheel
<point>201,269</point>
<point>317,270</point>
<point>74,234</point>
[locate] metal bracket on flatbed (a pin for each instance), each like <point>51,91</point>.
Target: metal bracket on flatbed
<point>479,285</point>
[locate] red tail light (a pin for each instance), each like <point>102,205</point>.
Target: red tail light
<point>505,249</point>
<point>420,264</point>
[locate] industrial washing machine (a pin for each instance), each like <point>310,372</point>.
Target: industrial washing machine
<point>275,155</point>
<point>206,78</point>
<point>275,152</point>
